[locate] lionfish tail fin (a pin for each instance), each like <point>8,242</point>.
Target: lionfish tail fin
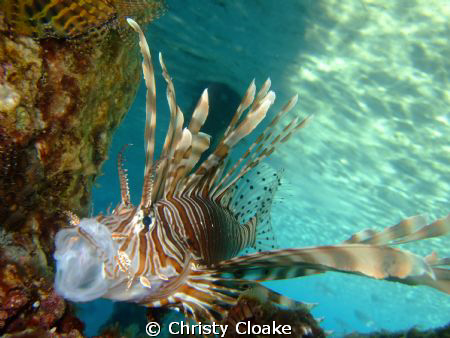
<point>379,262</point>
<point>411,229</point>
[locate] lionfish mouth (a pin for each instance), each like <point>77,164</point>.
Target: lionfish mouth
<point>81,253</point>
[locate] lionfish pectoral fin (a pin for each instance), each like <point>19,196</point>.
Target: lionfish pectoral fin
<point>408,230</point>
<point>250,201</point>
<point>379,262</point>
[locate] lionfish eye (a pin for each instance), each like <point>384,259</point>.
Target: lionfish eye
<point>147,220</point>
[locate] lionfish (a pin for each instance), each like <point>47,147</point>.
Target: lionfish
<point>179,248</point>
<point>72,19</point>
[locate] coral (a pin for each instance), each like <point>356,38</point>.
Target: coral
<point>28,301</point>
<point>60,102</point>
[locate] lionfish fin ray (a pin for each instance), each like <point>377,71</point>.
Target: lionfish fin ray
<point>200,113</point>
<point>189,148</point>
<point>438,228</point>
<point>205,296</point>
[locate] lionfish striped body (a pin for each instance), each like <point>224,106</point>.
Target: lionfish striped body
<point>179,247</point>
<point>75,18</point>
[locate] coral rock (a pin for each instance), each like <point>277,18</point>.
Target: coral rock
<point>60,102</point>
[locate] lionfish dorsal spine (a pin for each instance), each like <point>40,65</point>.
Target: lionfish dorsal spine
<point>213,159</point>
<point>236,131</point>
<point>261,94</point>
<point>150,114</point>
<point>173,137</point>
<point>170,93</point>
<point>249,155</point>
<point>200,113</point>
<point>177,167</point>
<point>200,140</point>
<point>247,100</point>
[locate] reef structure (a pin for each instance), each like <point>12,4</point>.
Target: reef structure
<point>62,95</point>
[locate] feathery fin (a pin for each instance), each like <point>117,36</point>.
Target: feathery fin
<point>251,196</point>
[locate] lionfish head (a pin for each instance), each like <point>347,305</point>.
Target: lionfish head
<point>94,262</point>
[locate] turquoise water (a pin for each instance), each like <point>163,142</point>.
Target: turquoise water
<point>375,74</point>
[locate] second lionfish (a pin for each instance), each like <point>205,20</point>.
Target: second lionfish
<point>70,19</point>
<point>179,247</point>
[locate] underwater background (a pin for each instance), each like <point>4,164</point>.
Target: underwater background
<point>375,74</point>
